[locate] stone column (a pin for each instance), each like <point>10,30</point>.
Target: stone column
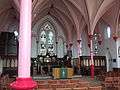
<point>79,54</point>
<point>79,47</point>
<point>118,54</point>
<point>24,81</point>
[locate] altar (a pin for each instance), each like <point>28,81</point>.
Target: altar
<point>62,73</point>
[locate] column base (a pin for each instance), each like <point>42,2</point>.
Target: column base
<point>92,72</point>
<point>23,84</point>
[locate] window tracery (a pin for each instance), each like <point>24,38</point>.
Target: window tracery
<point>47,39</point>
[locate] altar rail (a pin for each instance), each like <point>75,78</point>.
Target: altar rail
<point>9,64</point>
<point>99,63</point>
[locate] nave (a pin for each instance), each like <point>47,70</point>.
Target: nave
<point>60,44</point>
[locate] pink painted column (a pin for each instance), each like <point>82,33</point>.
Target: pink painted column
<point>70,46</point>
<point>91,57</point>
<point>79,48</point>
<point>24,81</point>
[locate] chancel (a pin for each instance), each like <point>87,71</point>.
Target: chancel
<point>60,44</point>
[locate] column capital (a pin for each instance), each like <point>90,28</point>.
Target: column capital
<point>89,45</point>
<point>99,41</point>
<point>115,38</point>
<point>67,46</point>
<point>79,41</point>
<point>91,51</point>
<point>37,41</point>
<point>90,36</point>
<point>70,44</point>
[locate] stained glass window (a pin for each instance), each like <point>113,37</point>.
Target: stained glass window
<point>108,32</point>
<point>47,39</point>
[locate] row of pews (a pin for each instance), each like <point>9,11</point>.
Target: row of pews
<point>102,75</point>
<point>112,83</point>
<point>5,82</point>
<point>67,84</point>
<point>111,80</point>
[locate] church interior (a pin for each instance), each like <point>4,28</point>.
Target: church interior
<point>75,44</point>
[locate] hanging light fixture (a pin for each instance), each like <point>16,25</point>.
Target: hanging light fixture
<point>16,33</point>
<point>96,37</point>
<point>100,39</point>
<point>89,38</point>
<point>115,37</point>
